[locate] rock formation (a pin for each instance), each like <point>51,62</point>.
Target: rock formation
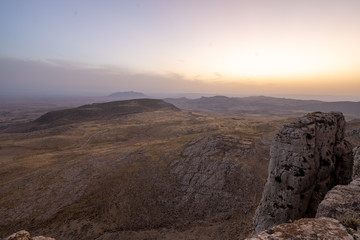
<point>342,201</point>
<point>306,228</point>
<point>308,157</point>
<point>24,235</point>
<point>356,167</point>
<point>212,176</point>
<point>354,132</point>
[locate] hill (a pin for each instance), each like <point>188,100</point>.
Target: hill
<point>126,95</point>
<point>91,112</point>
<point>142,174</point>
<point>270,106</point>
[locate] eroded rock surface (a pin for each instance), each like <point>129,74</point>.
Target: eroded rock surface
<point>356,167</point>
<point>306,228</point>
<point>25,235</point>
<point>213,175</point>
<point>341,201</point>
<point>353,132</point>
<point>308,157</point>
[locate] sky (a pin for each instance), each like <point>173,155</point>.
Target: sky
<point>244,47</point>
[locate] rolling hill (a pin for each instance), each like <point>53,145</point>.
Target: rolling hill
<point>125,96</point>
<point>263,105</point>
<point>91,112</point>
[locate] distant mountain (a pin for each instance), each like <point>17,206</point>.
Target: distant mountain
<point>126,95</point>
<point>347,107</point>
<point>262,105</point>
<point>91,112</point>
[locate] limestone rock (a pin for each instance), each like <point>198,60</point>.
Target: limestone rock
<point>21,235</point>
<point>25,235</point>
<point>341,201</point>
<point>308,157</point>
<point>42,238</point>
<point>306,228</point>
<point>356,167</point>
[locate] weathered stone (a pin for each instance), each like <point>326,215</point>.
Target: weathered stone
<point>308,157</point>
<point>356,167</point>
<point>341,201</point>
<point>25,235</point>
<point>354,132</point>
<point>306,228</point>
<point>42,238</point>
<point>21,235</point>
<point>211,175</point>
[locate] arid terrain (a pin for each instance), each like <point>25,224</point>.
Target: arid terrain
<point>262,106</point>
<point>136,169</point>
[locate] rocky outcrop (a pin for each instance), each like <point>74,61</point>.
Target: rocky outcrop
<point>306,228</point>
<point>342,201</point>
<point>354,132</point>
<point>24,235</point>
<point>356,166</point>
<point>213,176</point>
<point>308,158</point>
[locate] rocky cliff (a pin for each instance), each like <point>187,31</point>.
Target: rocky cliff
<point>214,175</point>
<point>308,158</point>
<point>356,167</point>
<point>337,217</point>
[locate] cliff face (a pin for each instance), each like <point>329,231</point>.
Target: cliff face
<point>356,167</point>
<point>308,157</point>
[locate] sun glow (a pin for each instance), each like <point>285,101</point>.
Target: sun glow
<point>274,64</point>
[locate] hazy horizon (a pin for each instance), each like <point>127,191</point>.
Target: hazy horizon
<point>304,50</point>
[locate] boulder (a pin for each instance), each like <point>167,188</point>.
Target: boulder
<point>308,158</point>
<point>306,229</point>
<point>21,235</point>
<point>342,201</point>
<point>25,235</point>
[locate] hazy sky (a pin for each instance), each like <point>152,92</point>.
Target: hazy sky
<point>246,47</point>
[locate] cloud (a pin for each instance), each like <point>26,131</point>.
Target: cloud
<point>59,77</point>
<point>219,75</point>
<point>53,76</point>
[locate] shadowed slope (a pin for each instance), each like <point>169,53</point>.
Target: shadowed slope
<point>91,112</point>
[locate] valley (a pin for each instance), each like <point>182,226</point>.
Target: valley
<point>115,175</point>
<point>135,169</point>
